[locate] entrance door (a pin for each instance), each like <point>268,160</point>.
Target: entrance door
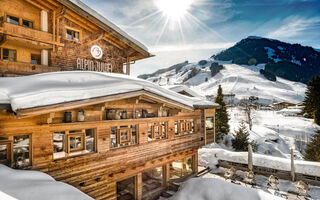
<point>126,189</point>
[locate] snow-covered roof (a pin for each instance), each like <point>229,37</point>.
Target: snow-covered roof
<point>26,184</point>
<point>182,88</point>
<point>62,87</point>
<point>87,11</point>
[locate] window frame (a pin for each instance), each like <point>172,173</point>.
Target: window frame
<point>75,135</point>
<point>37,55</point>
<point>209,129</point>
<point>184,127</point>
<point>2,55</point>
<point>22,20</point>
<point>9,144</point>
<point>76,151</point>
<point>123,143</point>
<point>73,30</point>
<point>10,15</point>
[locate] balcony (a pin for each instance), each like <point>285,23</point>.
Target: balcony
<point>21,68</point>
<point>27,33</point>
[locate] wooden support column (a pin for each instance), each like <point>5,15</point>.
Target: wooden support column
<point>128,66</point>
<point>195,163</point>
<point>171,129</point>
<point>138,186</point>
<point>166,175</point>
<point>143,133</point>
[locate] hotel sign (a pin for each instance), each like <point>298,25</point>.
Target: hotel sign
<point>94,65</point>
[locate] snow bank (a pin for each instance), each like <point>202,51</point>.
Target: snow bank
<point>33,185</point>
<point>59,87</point>
<point>211,188</point>
<point>210,156</point>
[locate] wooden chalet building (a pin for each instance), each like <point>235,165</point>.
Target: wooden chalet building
<point>109,135</point>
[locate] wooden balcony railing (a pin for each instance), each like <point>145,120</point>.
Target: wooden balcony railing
<point>21,68</point>
<point>27,33</point>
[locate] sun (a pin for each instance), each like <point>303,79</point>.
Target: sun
<point>174,9</point>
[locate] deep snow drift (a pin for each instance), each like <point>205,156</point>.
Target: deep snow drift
<point>275,132</point>
<point>33,185</point>
<point>211,188</point>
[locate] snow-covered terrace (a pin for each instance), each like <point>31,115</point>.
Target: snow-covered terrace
<point>61,87</point>
<point>33,185</point>
<point>209,157</point>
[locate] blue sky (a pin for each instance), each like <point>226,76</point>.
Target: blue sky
<point>208,26</point>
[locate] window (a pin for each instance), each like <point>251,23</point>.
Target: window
<point>181,168</point>
<point>27,24</point>
<point>5,150</point>
<point>12,20</point>
<point>21,151</point>
<point>183,127</point>
<point>209,123</point>
<point>152,180</point>
<point>74,142</point>
<point>72,35</point>
<point>35,59</point>
<point>9,54</point>
<point>157,131</point>
<point>123,136</point>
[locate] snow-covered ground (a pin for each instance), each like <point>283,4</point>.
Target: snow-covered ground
<point>275,132</point>
<point>212,188</point>
<point>33,185</point>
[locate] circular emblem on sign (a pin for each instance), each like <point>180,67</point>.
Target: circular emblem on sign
<point>96,52</point>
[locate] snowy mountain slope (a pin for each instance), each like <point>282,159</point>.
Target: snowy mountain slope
<point>241,80</point>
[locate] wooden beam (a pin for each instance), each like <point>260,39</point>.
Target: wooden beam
<point>128,66</point>
<point>79,23</point>
<point>37,5</point>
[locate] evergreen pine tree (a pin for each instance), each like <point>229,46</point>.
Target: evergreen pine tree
<point>313,148</point>
<point>312,99</point>
<point>316,116</point>
<point>222,117</point>
<point>241,139</point>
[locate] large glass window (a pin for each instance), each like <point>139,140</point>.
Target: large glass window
<point>152,180</point>
<point>12,20</point>
<point>9,54</point>
<point>21,151</point>
<point>74,142</point>
<point>126,189</point>
<point>123,136</point>
<point>72,35</point>
<point>181,168</point>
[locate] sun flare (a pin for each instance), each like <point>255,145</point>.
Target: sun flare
<point>174,9</point>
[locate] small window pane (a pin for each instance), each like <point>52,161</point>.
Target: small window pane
<point>9,55</point>
<point>69,34</point>
<point>13,20</point>
<point>59,145</point>
<point>21,151</point>
<point>209,123</point>
<point>35,59</point>
<point>152,180</point>
<point>3,152</point>
<point>113,137</point>
<point>90,140</point>
<point>75,142</point>
<point>133,134</point>
<point>28,24</point>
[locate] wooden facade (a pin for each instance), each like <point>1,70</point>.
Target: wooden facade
<point>39,36</point>
<point>117,152</point>
<point>124,146</point>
